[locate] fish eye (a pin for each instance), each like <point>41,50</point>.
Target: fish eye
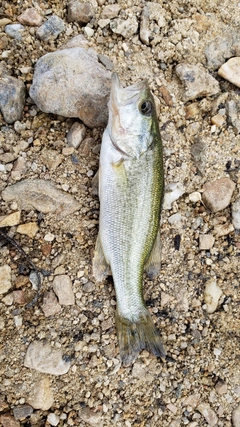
<point>146,108</point>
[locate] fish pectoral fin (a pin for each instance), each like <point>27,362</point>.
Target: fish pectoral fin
<point>100,266</point>
<point>153,264</point>
<point>136,336</point>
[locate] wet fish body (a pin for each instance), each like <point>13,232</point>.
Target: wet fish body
<point>130,190</point>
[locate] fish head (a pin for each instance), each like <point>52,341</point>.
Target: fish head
<point>132,112</point>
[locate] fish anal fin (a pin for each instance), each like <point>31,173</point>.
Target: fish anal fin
<point>136,336</point>
<point>100,266</point>
<point>153,264</point>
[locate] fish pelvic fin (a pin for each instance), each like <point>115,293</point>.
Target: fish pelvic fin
<point>100,267</point>
<point>136,336</point>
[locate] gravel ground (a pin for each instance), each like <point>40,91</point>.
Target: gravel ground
<point>74,376</point>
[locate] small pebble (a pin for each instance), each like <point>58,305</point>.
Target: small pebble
<point>51,28</point>
<point>206,241</point>
<point>29,229</point>
<point>5,278</point>
<point>6,420</point>
<point>62,286</point>
<point>53,419</point>
<point>41,396</point>
<point>217,194</point>
<point>76,135</point>
<point>221,387</point>
<point>218,120</point>
<point>125,27</point>
<point>223,229</point>
<point>22,412</point>
<point>208,414</point>
<point>195,197</point>
<point>172,193</point>
<point>235,213</point>
<point>43,358</point>
<point>50,305</point>
<point>14,31</point>
<point>212,294</point>
<point>10,220</point>
<point>49,237</point>
<point>110,11</point>
<point>34,280</point>
<point>236,416</point>
<point>30,17</point>
<point>88,31</point>
<point>231,71</point>
<point>79,12</point>
<point>197,81</point>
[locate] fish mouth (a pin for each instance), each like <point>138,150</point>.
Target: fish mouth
<point>124,96</point>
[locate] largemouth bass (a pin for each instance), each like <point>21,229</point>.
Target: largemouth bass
<point>131,188</point>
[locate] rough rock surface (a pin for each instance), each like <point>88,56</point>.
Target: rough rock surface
<point>41,195</point>
<point>212,294</point>
<point>41,396</point>
<point>30,17</point>
<point>235,213</point>
<point>43,358</point>
<point>206,241</point>
<point>72,83</point>
<point>197,81</point>
<point>208,414</point>
<point>236,416</point>
<point>5,279</point>
<point>233,112</point>
<point>12,98</point>
<point>217,194</point>
<point>79,12</point>
<point>76,134</point>
<point>51,28</point>
<point>50,305</point>
<point>10,220</point>
<point>231,71</point>
<point>62,286</point>
<point>125,27</point>
<point>222,47</point>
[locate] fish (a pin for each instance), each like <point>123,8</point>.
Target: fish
<point>131,188</point>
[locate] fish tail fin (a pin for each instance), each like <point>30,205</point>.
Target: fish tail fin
<point>136,336</point>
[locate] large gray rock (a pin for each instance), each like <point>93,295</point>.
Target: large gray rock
<point>41,195</point>
<point>72,83</point>
<point>12,98</point>
<point>197,81</point>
